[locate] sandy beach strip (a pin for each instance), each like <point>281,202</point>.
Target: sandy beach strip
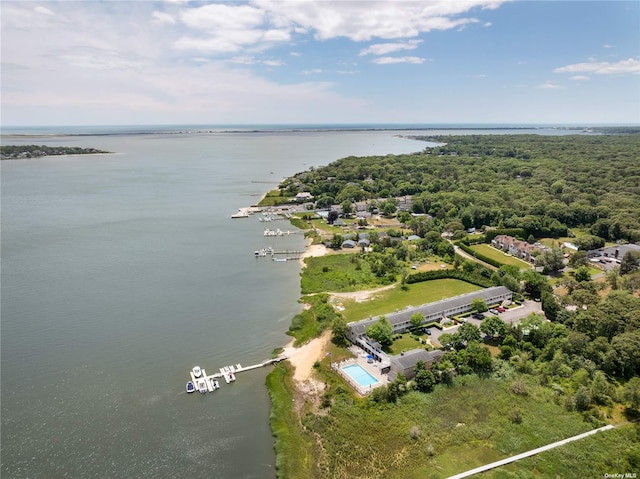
<point>303,357</point>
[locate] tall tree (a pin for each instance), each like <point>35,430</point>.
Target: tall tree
<point>381,331</point>
<point>630,262</point>
<point>552,259</point>
<point>416,319</point>
<point>493,326</point>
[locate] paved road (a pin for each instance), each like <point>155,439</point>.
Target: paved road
<point>528,453</point>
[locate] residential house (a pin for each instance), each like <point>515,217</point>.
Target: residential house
<point>304,196</point>
<point>515,247</point>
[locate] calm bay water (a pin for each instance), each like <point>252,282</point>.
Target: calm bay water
<point>120,273</point>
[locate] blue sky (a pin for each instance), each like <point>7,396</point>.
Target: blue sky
<point>295,61</point>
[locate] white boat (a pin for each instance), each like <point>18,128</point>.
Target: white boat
<point>190,387</point>
<point>197,372</point>
<point>242,213</point>
<point>214,384</point>
<point>202,386</point>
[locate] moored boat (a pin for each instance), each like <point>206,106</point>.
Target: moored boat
<point>190,387</point>
<point>202,386</point>
<point>197,372</point>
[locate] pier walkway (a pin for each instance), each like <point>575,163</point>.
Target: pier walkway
<point>229,372</point>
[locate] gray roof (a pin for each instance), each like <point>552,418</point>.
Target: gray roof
<point>359,328</point>
<point>410,358</point>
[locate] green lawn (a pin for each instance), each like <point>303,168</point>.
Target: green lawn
<point>554,280</point>
<point>405,343</point>
<point>499,256</point>
<point>417,293</point>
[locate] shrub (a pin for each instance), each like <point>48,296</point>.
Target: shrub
<point>515,416</point>
<point>520,388</point>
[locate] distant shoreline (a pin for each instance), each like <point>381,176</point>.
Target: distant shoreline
<point>19,132</point>
<point>30,152</point>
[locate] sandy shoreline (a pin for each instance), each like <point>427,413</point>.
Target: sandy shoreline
<point>302,358</point>
<point>312,250</point>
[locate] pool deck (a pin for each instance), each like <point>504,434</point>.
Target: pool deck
<point>360,358</point>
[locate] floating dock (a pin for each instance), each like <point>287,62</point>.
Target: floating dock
<point>208,382</point>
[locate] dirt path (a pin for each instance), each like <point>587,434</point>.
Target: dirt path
<point>359,296</point>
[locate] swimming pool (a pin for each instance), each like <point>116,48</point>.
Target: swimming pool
<point>360,375</point>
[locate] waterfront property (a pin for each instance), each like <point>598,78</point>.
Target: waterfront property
<point>432,312</point>
<point>404,363</point>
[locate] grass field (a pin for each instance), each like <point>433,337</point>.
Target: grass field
<point>394,299</point>
<point>613,451</point>
<point>459,428</point>
<point>499,256</point>
<point>338,272</point>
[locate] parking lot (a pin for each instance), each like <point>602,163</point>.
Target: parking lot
<point>510,316</point>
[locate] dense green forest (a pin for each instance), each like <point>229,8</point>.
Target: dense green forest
<point>543,184</point>
<point>13,152</point>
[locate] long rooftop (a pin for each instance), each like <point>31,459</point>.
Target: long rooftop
<point>457,304</point>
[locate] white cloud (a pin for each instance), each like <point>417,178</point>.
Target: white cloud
<point>391,60</point>
<point>294,54</point>
<point>362,21</point>
<point>215,17</point>
<point>385,48</point>
<point>162,18</point>
<point>249,60</point>
<point>313,71</point>
<point>630,65</point>
<point>480,75</point>
<point>43,10</point>
<point>347,72</point>
<point>606,45</point>
<point>487,24</point>
<point>549,86</point>
<point>579,78</point>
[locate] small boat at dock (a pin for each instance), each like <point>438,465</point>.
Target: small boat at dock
<point>197,372</point>
<point>202,386</point>
<point>190,387</point>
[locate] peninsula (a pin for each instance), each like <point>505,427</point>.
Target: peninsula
<point>462,305</point>
<point>20,152</point>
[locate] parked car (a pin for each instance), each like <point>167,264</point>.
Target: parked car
<point>427,331</point>
<point>501,309</point>
<point>494,311</point>
<point>479,316</point>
